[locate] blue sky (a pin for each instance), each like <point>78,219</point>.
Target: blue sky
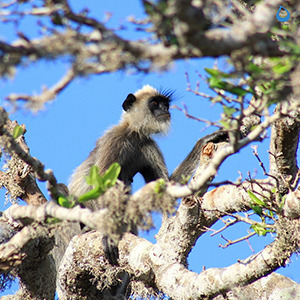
<point>63,134</point>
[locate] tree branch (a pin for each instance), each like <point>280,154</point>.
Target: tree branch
<point>148,262</point>
<point>284,144</point>
<point>13,147</point>
<point>37,101</point>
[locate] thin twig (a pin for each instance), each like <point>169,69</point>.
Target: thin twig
<point>230,242</point>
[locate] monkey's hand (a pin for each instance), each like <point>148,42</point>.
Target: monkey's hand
<point>111,250</point>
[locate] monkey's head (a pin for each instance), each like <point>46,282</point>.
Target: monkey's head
<point>147,111</point>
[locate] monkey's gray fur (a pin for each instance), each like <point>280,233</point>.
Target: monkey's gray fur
<point>129,143</point>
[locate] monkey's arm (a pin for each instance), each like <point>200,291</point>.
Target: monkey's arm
<point>188,166</point>
<point>154,165</point>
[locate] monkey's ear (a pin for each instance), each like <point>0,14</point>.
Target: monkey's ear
<point>127,104</point>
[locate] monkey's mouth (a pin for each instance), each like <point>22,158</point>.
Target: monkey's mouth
<point>164,117</point>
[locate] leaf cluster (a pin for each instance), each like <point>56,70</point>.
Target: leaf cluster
<point>100,184</point>
<point>221,80</point>
<point>262,209</point>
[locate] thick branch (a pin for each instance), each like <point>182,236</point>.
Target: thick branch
<point>179,282</point>
<point>148,262</point>
<point>19,179</point>
<point>11,253</point>
<point>12,146</point>
<point>29,214</point>
<point>27,253</point>
<point>284,145</point>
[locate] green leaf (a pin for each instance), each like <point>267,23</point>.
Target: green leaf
<point>185,179</point>
<point>111,175</point>
<point>92,194</point>
<point>285,27</point>
<point>275,59</point>
<point>239,91</point>
<point>18,130</point>
<point>162,6</point>
<point>259,229</point>
<point>295,49</point>
<point>94,178</point>
<point>282,68</point>
<point>257,209</point>
<point>282,201</point>
<point>215,82</point>
<point>52,220</point>
<point>149,7</point>
<point>225,124</point>
<point>253,68</point>
<point>255,199</point>
<point>219,74</point>
<point>253,127</point>
<point>268,87</point>
<point>216,99</point>
<point>100,183</point>
<point>229,111</point>
<point>57,19</point>
<point>64,202</point>
<point>160,186</point>
<point>213,72</point>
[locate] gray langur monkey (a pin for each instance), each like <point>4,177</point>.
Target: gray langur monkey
<point>146,112</point>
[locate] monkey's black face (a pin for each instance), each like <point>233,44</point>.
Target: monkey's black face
<point>159,107</point>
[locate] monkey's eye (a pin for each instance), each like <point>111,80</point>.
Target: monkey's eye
<point>155,103</point>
